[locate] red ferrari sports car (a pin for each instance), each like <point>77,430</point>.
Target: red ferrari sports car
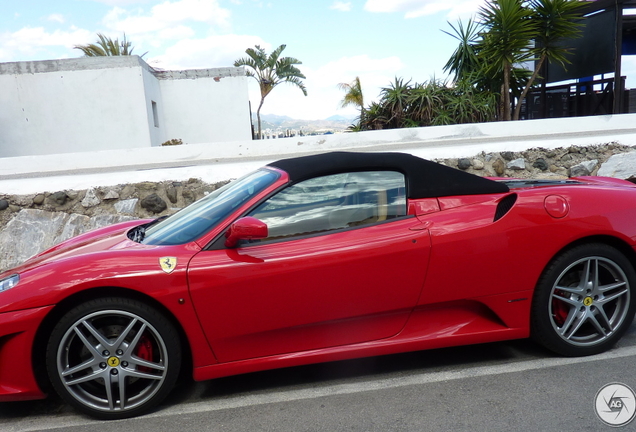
<point>314,259</point>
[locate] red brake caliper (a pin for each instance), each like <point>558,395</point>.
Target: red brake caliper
<point>144,352</point>
<point>559,310</point>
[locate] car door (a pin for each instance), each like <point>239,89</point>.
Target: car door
<point>343,264</point>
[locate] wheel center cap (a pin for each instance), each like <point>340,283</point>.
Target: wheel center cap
<point>113,361</point>
<point>587,301</point>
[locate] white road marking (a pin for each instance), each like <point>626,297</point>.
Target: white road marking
<point>49,422</point>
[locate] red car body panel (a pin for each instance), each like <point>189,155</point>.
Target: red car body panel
<point>446,274</point>
<point>308,293</point>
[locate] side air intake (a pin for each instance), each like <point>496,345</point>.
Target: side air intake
<point>504,206</point>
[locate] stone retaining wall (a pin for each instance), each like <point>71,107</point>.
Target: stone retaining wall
<point>32,223</point>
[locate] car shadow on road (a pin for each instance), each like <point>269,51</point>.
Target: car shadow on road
<point>361,370</point>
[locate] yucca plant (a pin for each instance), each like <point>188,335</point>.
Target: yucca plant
<point>465,59</point>
<point>395,99</point>
<point>105,47</point>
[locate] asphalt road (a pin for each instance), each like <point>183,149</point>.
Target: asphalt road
<point>507,386</point>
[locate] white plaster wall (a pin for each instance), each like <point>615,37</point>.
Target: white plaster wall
<point>206,109</point>
<point>55,110</point>
<point>57,107</point>
<point>152,92</point>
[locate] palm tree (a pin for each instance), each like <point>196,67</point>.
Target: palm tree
<point>508,30</point>
<point>557,21</point>
<point>105,46</point>
<point>353,95</point>
<point>269,71</point>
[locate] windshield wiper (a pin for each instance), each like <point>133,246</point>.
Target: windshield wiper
<point>138,233</point>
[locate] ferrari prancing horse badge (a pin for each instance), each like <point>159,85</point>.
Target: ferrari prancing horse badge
<point>168,264</point>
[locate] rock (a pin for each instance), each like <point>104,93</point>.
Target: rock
<point>579,170</point>
<point>154,203</point>
<point>517,164</point>
<point>58,198</point>
<point>72,194</point>
<point>499,167</point>
<point>463,164</point>
<point>540,164</point>
<point>171,193</point>
<point>127,192</point>
<point>478,164</point>
<point>507,155</point>
<point>37,230</point>
<point>126,206</point>
<point>188,196</point>
<point>590,165</point>
<point>90,199</point>
<point>4,204</point>
<point>621,166</point>
<point>38,199</point>
<point>14,208</point>
<point>111,195</point>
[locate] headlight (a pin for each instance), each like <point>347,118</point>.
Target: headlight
<point>9,282</point>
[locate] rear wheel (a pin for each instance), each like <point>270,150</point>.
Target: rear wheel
<point>584,302</point>
<point>113,358</point>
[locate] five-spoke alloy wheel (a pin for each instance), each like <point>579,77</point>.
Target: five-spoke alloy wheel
<point>584,301</point>
<point>113,358</point>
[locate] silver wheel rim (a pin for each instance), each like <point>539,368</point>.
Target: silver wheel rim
<point>112,361</point>
<point>589,301</point>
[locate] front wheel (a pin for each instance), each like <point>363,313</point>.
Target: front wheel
<point>584,303</point>
<point>113,358</point>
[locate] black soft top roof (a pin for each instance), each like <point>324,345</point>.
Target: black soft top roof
<point>424,179</point>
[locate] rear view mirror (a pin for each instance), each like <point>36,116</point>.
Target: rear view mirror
<point>247,228</point>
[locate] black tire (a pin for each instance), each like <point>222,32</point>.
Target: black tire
<point>106,341</point>
<point>584,301</point>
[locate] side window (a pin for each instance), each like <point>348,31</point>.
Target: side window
<point>334,202</point>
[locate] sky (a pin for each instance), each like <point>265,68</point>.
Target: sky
<point>336,40</point>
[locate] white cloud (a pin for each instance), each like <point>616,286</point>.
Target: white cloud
<point>341,6</point>
<point>345,69</point>
<point>418,8</point>
<point>213,51</point>
<point>27,42</point>
<point>56,18</point>
<point>166,15</point>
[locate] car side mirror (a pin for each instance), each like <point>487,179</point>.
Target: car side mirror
<point>246,228</point>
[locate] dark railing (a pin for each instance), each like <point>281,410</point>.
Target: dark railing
<point>584,98</point>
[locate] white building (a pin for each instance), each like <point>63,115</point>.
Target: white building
<point>103,103</point>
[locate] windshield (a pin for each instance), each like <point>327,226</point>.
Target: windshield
<point>200,217</point>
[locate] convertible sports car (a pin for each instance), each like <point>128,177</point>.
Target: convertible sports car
<point>314,259</point>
